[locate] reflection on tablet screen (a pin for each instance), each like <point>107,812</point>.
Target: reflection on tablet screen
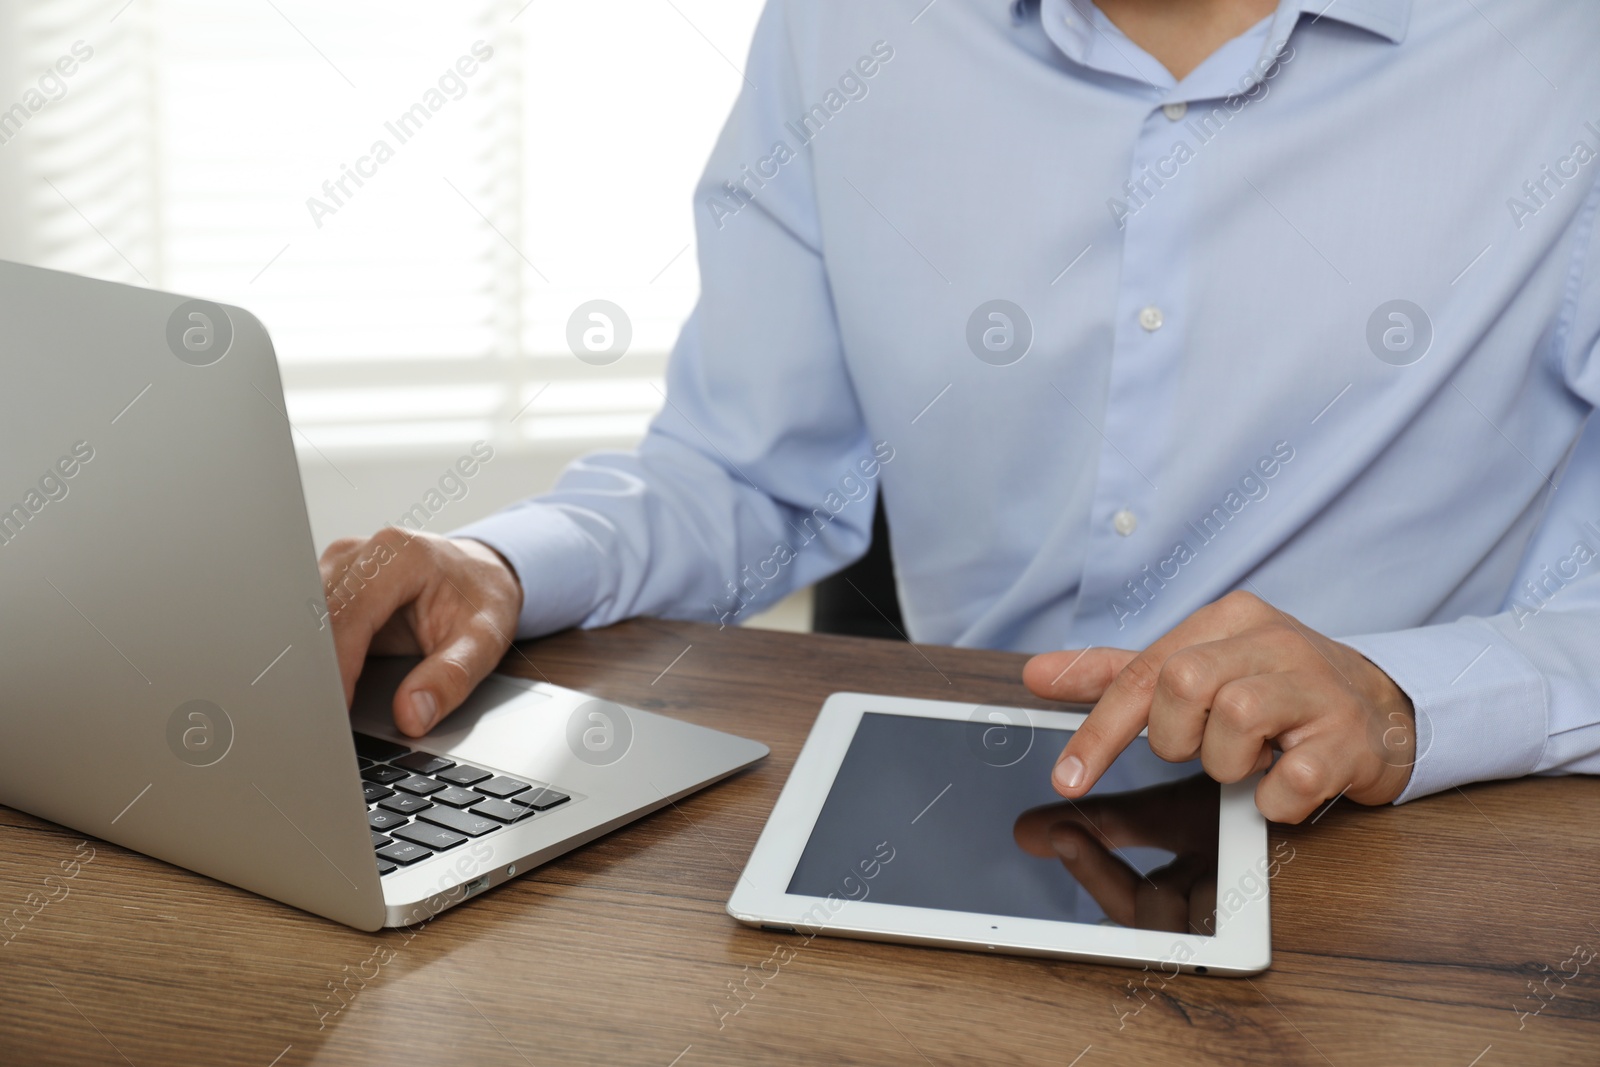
<point>968,814</point>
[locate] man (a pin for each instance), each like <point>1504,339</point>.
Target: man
<point>1178,334</point>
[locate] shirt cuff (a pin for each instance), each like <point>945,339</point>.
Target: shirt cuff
<point>555,560</point>
<point>1482,707</point>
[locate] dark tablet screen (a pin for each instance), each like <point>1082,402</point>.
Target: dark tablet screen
<point>960,816</point>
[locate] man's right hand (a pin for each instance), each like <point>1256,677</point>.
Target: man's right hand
<point>400,593</point>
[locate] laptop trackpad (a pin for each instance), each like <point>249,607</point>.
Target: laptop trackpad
<point>494,706</point>
<point>503,723</point>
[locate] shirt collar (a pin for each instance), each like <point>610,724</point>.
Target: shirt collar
<point>1386,18</point>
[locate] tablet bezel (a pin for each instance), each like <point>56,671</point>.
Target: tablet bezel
<point>1242,944</point>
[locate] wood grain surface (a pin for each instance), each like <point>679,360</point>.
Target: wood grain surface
<point>1459,929</point>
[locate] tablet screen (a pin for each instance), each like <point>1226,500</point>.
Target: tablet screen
<point>961,816</point>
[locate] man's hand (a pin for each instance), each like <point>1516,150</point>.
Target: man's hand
<point>1228,684</point>
<point>400,593</point>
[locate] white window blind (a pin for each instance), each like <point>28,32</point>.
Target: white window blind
<point>415,197</point>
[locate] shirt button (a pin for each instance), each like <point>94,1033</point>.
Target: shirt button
<point>1175,110</point>
<point>1151,318</point>
<point>1124,522</point>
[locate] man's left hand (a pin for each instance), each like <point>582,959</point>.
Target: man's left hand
<point>1229,684</point>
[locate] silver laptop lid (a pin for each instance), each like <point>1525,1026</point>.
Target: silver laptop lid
<point>166,681</point>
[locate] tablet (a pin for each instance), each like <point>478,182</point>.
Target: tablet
<point>935,823</point>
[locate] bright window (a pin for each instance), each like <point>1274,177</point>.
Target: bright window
<point>415,197</point>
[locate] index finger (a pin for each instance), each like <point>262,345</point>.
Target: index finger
<point>1124,709</point>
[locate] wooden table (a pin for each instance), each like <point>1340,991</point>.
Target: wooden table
<point>1402,935</point>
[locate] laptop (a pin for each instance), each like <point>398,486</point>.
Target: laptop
<point>168,679</point>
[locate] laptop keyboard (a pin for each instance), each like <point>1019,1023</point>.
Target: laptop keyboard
<point>419,804</point>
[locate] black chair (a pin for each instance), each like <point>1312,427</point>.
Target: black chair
<point>860,601</point>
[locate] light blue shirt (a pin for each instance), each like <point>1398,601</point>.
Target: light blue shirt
<point>1319,322</point>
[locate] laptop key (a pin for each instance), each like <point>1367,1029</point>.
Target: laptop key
<point>461,774</point>
<point>501,787</point>
<point>541,799</point>
<point>376,748</point>
<point>460,821</point>
<point>456,797</point>
<point>403,853</point>
<point>385,867</point>
<point>379,841</point>
<point>384,821</point>
<point>375,792</point>
<point>383,775</point>
<point>423,763</point>
<point>501,811</point>
<point>428,836</point>
<point>404,805</point>
<point>418,785</point>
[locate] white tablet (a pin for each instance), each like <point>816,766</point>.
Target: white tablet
<point>935,823</point>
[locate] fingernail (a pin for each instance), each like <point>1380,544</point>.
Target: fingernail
<point>425,708</point>
<point>1069,772</point>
